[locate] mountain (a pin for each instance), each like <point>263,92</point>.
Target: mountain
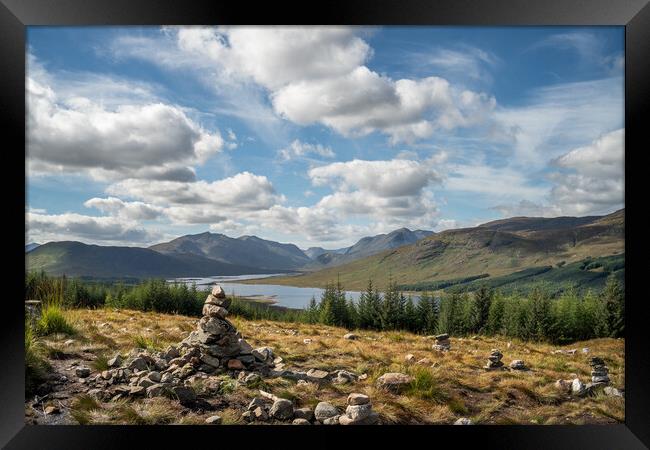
<point>78,259</point>
<point>315,252</point>
<point>367,246</point>
<point>490,250</point>
<point>245,250</point>
<point>31,246</point>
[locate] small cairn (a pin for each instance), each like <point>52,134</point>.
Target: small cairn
<point>442,343</point>
<point>494,360</point>
<point>359,411</point>
<point>219,344</point>
<point>599,372</point>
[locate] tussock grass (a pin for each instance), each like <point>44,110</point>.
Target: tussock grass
<point>36,366</point>
<point>53,321</point>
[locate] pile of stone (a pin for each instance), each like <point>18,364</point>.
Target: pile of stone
<point>599,372</point>
<point>359,411</point>
<point>442,343</point>
<point>494,360</point>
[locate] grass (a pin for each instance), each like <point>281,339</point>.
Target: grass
<point>53,321</point>
<point>456,387</point>
<point>36,366</point>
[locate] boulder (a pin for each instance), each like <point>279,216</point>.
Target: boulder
<point>218,292</point>
<point>154,376</point>
<point>115,361</point>
<point>612,391</point>
<point>325,410</point>
<point>263,354</point>
<point>358,412</point>
<point>282,409</point>
<point>257,401</point>
<point>317,374</point>
<point>393,381</point>
<point>260,414</point>
<point>303,413</point>
<point>358,399</point>
<point>332,420</point>
<point>156,390</point>
<point>82,372</point>
<point>211,310</point>
<point>184,394</point>
<point>578,387</point>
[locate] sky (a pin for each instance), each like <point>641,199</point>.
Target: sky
<point>317,136</point>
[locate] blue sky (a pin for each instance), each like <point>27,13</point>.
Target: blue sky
<point>317,136</point>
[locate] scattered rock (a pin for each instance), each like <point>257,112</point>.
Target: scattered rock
<point>585,350</point>
<point>282,409</point>
<point>214,420</point>
<point>410,358</point>
<point>612,391</point>
<point>358,399</point>
<point>578,387</point>
<point>325,410</point>
<point>82,372</point>
<point>463,421</point>
<point>332,420</point>
<point>394,381</point>
<point>51,410</point>
<point>300,421</point>
<point>304,413</point>
<point>350,336</point>
<point>137,391</point>
<point>317,374</point>
<point>155,390</point>
<point>424,362</point>
<point>260,414</point>
<point>518,364</point>
<point>154,376</point>
<point>185,394</point>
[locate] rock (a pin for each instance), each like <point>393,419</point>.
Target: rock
<point>358,399</point>
<point>210,360</point>
<point>442,337</point>
<point>332,420</point>
<point>300,421</point>
<point>278,360</point>
<point>578,387</point>
<point>325,410</point>
<point>585,350</point>
<point>564,385</point>
<point>246,359</point>
<point>115,361</point>
<point>261,415</point>
<point>344,376</point>
<point>303,413</point>
<point>350,336</point>
<point>69,342</point>
<point>155,390</point>
<point>154,376</point>
<point>263,354</point>
<point>371,419</point>
<point>137,391</point>
<point>211,310</point>
<point>358,412</point>
<point>214,420</point>
<point>171,352</point>
<point>145,383</point>
<point>393,381</point>
<point>51,410</point>
<point>317,374</point>
<point>106,375</point>
<point>282,409</point>
<point>463,421</point>
<point>138,363</point>
<point>251,378</point>
<point>82,372</point>
<point>255,403</point>
<point>184,394</point>
<point>247,416</point>
<point>306,341</point>
<point>235,364</point>
<point>410,358</point>
<point>612,391</point>
<point>518,364</point>
<point>494,360</point>
<point>212,300</point>
<point>218,292</point>
<point>244,347</point>
<point>424,362</point>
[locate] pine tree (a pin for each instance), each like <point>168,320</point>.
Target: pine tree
<point>423,310</point>
<point>313,311</point>
<point>410,316</point>
<point>328,311</point>
<point>449,309</point>
<point>614,300</point>
<point>496,314</point>
<point>538,321</point>
<point>480,309</point>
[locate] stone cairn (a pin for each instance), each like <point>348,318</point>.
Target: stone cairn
<point>494,360</point>
<point>442,343</point>
<point>599,372</point>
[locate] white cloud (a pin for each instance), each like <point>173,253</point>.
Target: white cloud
<point>150,140</point>
<point>298,149</point>
<point>44,228</point>
<point>129,210</point>
<point>463,61</point>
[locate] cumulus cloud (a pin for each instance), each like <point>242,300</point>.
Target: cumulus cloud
<point>151,140</point>
<point>108,229</point>
<point>130,210</point>
<point>298,149</point>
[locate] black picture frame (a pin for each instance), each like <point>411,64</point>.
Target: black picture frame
<point>15,15</point>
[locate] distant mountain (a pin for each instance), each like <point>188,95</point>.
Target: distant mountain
<point>315,252</point>
<point>245,250</point>
<point>369,245</point>
<point>78,259</point>
<point>494,249</point>
<point>31,246</point>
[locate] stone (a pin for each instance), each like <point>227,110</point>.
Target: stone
<point>350,336</point>
<point>214,420</point>
<point>155,390</point>
<point>304,414</point>
<point>564,385</point>
<point>393,381</point>
<point>51,410</point>
<point>282,409</point>
<point>213,326</point>
<point>145,383</point>
<point>358,399</point>
<point>332,420</point>
<point>300,421</point>
<point>612,391</point>
<point>518,364</point>
<point>69,342</point>
<point>317,374</point>
<point>247,416</point>
<point>211,310</point>
<point>235,364</point>
<point>263,354</point>
<point>306,341</point>
<point>184,394</point>
<point>344,376</point>
<point>325,410</point>
<point>137,391</point>
<point>442,337</point>
<point>218,292</point>
<point>82,372</point>
<point>210,360</point>
<point>424,362</point>
<point>463,421</point>
<point>578,387</point>
<point>246,359</point>
<point>138,363</point>
<point>371,419</point>
<point>154,376</point>
<point>410,358</point>
<point>171,352</point>
<point>585,350</point>
<point>358,412</point>
<point>257,401</point>
<point>212,300</point>
<point>260,414</point>
<point>106,374</point>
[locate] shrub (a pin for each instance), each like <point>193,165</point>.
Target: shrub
<point>53,321</point>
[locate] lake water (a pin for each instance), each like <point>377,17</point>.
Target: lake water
<point>288,296</point>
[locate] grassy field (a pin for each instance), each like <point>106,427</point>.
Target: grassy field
<point>456,387</point>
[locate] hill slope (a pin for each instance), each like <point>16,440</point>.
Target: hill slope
<point>245,250</point>
<point>490,248</point>
<point>78,259</point>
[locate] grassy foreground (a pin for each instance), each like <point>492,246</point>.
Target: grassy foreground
<point>456,387</point>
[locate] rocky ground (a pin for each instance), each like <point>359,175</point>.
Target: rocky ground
<point>132,367</point>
